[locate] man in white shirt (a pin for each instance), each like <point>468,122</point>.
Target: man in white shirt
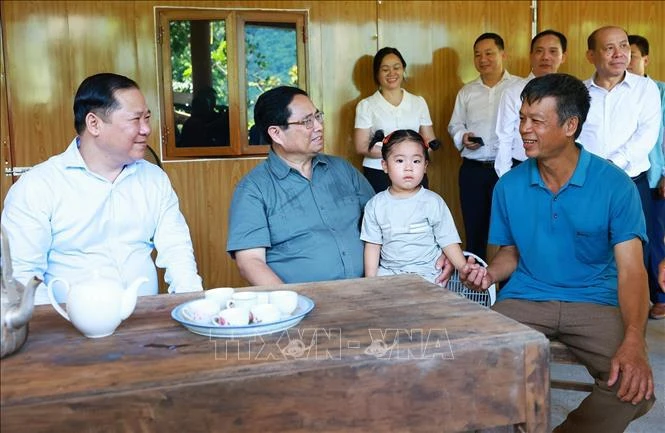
<point>639,59</point>
<point>99,206</point>
<point>548,52</point>
<point>625,115</point>
<point>472,128</point>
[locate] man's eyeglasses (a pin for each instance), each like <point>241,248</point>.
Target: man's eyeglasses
<point>308,122</point>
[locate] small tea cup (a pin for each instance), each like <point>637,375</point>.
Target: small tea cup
<point>285,300</point>
<point>262,298</point>
<point>232,317</point>
<point>265,313</point>
<point>220,295</point>
<point>242,300</point>
<point>201,310</point>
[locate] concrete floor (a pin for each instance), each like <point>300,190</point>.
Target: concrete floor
<point>653,422</point>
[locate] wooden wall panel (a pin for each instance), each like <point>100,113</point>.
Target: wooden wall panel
<point>37,55</point>
<point>5,153</point>
<point>578,19</point>
<point>51,46</point>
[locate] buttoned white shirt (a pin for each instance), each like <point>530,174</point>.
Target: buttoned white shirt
<point>375,113</point>
<point>475,111</point>
<point>510,144</point>
<point>62,220</point>
<point>623,123</point>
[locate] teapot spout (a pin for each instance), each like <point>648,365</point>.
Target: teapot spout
<point>18,317</point>
<point>129,297</point>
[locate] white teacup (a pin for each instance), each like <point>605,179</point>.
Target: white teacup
<point>242,300</point>
<point>265,313</point>
<point>232,317</point>
<point>285,300</point>
<point>220,295</point>
<point>262,298</point>
<point>201,310</point>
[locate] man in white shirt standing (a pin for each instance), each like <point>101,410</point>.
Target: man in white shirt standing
<point>625,114</point>
<point>472,128</point>
<point>639,59</point>
<point>99,206</point>
<point>548,52</point>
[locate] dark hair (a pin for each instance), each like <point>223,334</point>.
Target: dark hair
<point>591,40</point>
<point>562,38</point>
<point>399,136</point>
<point>498,40</point>
<point>572,96</point>
<point>272,108</point>
<point>641,42</point>
<point>97,94</point>
<point>378,58</point>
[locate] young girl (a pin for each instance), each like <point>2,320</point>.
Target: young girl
<point>406,226</point>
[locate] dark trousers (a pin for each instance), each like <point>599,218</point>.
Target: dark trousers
<point>476,184</point>
<point>642,183</point>
<point>656,246</point>
<point>380,180</point>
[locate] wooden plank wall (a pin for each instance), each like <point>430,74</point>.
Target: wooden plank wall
<point>50,46</point>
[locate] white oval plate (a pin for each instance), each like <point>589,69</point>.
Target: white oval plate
<point>305,305</point>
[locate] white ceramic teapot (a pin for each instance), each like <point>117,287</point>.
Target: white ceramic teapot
<point>96,306</point>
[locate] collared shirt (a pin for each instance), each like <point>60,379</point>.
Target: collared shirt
<point>657,154</point>
<point>623,123</point>
<point>509,140</point>
<point>475,111</point>
<point>376,113</point>
<point>566,240</point>
<point>63,220</point>
<point>310,229</point>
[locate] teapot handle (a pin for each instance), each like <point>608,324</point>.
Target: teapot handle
<point>51,296</point>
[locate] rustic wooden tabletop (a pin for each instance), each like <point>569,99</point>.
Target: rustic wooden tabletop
<point>378,354</point>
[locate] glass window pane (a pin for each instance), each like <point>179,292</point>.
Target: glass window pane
<point>271,56</point>
<point>200,86</point>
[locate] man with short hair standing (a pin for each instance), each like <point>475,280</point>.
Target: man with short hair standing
<point>625,115</point>
<point>639,59</point>
<point>99,206</point>
<point>570,230</point>
<point>548,52</point>
<point>472,129</point>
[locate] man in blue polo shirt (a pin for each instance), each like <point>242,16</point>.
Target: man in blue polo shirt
<point>570,229</point>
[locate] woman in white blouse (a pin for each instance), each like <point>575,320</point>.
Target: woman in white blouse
<point>388,109</point>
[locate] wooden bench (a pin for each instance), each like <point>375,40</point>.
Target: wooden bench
<point>560,354</point>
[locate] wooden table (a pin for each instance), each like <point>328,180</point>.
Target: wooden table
<point>390,354</point>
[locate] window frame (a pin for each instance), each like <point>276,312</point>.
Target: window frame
<point>235,20</point>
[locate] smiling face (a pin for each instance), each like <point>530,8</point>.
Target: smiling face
<point>123,134</point>
<point>391,72</point>
<point>547,55</point>
<point>543,134</point>
<point>405,166</point>
<point>487,57</point>
<point>611,54</point>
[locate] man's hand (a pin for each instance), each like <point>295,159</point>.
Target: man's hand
<point>661,275</point>
<point>630,362</point>
<point>469,144</point>
<point>446,268</point>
